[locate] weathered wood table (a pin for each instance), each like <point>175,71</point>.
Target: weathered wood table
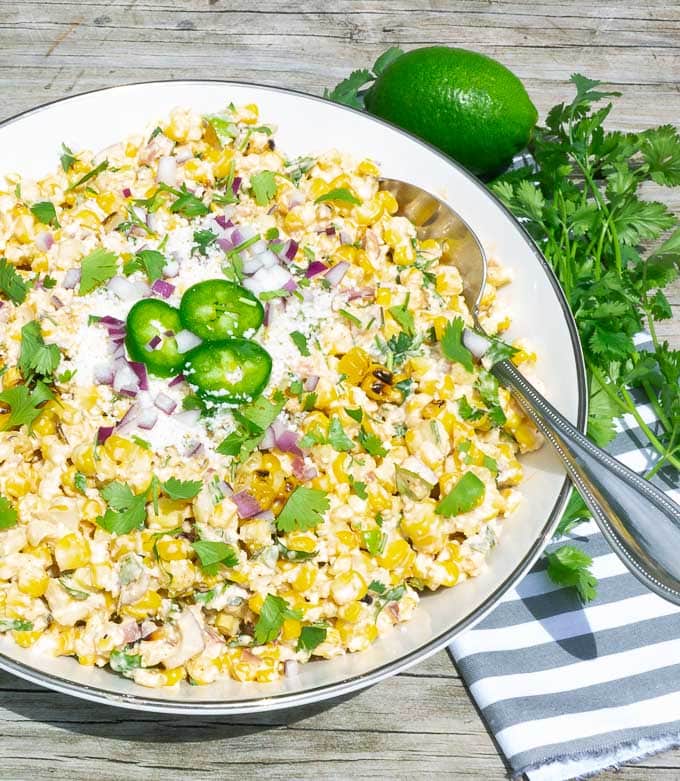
<point>420,724</point>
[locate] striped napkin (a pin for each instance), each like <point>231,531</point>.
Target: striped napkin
<point>569,690</point>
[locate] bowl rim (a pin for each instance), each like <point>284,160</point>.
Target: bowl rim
<point>354,683</point>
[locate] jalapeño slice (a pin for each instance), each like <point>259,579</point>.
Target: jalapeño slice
<point>216,309</point>
<point>151,328</point>
<point>233,371</point>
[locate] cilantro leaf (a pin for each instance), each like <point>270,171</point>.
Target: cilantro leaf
<point>264,187</point>
<point>36,357</point>
<point>467,411</point>
<point>12,283</point>
<point>275,610</point>
<point>150,261</point>
<point>95,269</point>
<point>182,489</point>
<point>339,194</point>
<point>499,351</point>
<point>570,566</point>
<point>337,437</point>
<point>45,212</point>
<point>126,510</point>
<point>575,513</point>
<point>303,510</point>
<point>466,494</point>
<point>300,341</point>
<point>8,515</point>
<point>67,158</point>
<point>346,92</point>
<point>355,414</point>
<point>386,59</point>
<point>452,344</point>
<point>487,387</point>
<point>202,240</point>
<point>123,662</point>
<point>371,443</point>
<point>15,625</point>
<point>80,482</point>
<point>212,553</point>
<point>24,405</point>
<point>187,204</point>
<point>310,637</point>
<point>89,175</point>
<point>403,317</point>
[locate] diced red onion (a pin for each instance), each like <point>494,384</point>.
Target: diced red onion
<point>337,272</point>
<point>127,192</point>
<point>128,391</point>
<point>193,448</point>
<point>107,320</point>
<point>171,269</point>
<point>186,341</point>
<point>296,199</point>
<point>164,289</point>
<point>251,265</point>
<point>165,403</point>
<point>236,184</point>
<point>140,370</point>
<point>268,440</point>
<point>291,250</point>
<point>225,244</point>
<point>71,279</point>
<point>103,433</point>
<point>153,221</point>
<point>301,471</point>
<point>167,171</point>
<point>361,292</point>
<point>103,374</point>
<point>153,342</point>
<point>330,230</point>
<point>57,303</point>
<point>222,221</point>
<point>311,383</point>
<point>287,442</point>
<point>290,285</point>
<point>147,418</point>
<point>314,268</point>
<point>176,380</point>
<point>188,417</point>
<point>125,379</point>
<point>183,153</point>
<point>44,241</point>
<point>246,504</point>
<point>123,288</point>
<point>225,488</point>
<point>128,418</point>
<point>267,314</point>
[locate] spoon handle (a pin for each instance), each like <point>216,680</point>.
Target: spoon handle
<point>638,520</point>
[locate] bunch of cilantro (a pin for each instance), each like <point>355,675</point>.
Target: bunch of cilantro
<point>614,254</point>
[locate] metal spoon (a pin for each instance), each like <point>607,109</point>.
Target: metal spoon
<point>638,520</point>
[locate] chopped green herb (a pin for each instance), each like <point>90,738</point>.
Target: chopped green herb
<point>337,437</point>
<point>89,175</point>
<point>275,610</point>
<point>349,316</point>
<point>8,515</point>
<point>358,487</point>
<point>339,194</point>
<point>355,414</point>
<point>15,625</point>
<point>80,483</point>
<point>150,261</point>
<point>264,187</point>
<point>182,489</point>
<point>300,341</point>
<point>303,510</point>
<point>37,359</point>
<point>211,554</point>
<point>403,317</point>
<point>371,443</point>
<point>126,510</point>
<point>24,404</point>
<point>95,269</point>
<point>452,344</point>
<point>123,662</point>
<point>310,637</point>
<point>570,566</point>
<point>202,240</point>
<point>12,284</point>
<point>45,212</point>
<point>67,158</point>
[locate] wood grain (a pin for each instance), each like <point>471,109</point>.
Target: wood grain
<point>420,724</point>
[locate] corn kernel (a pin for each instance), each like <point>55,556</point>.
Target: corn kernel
<point>107,201</point>
<point>404,255</point>
<point>301,542</point>
<point>255,602</point>
<point>45,424</point>
<point>368,168</point>
<point>291,629</point>
<point>11,378</point>
<point>305,577</point>
<point>351,612</point>
<point>355,364</point>
<point>149,604</point>
<point>26,639</point>
<point>83,459</point>
<point>348,587</point>
<point>383,297</point>
<point>397,555</point>
<point>32,584</point>
<point>293,221</point>
<point>173,676</point>
<point>227,624</point>
<point>368,213</point>
<point>388,201</point>
<point>71,552</point>
<point>222,166</point>
<point>171,549</point>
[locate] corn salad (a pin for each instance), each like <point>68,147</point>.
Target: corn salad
<point>246,475</point>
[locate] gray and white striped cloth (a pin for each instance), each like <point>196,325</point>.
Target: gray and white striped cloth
<point>569,690</point>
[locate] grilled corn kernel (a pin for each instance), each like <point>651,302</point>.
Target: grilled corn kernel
<point>223,164</point>
<point>11,378</point>
<point>32,584</point>
<point>351,612</point>
<point>83,460</point>
<point>348,587</point>
<point>398,555</point>
<point>354,365</point>
<point>388,201</point>
<point>291,629</point>
<point>174,676</point>
<point>368,168</point>
<point>148,605</point>
<point>71,552</point>
<point>26,639</point>
<point>368,213</point>
<point>18,484</point>
<point>171,549</point>
<point>227,624</point>
<point>404,255</point>
<point>45,424</point>
<point>255,602</point>
<point>305,577</point>
<point>293,221</point>
<point>425,534</point>
<point>301,542</point>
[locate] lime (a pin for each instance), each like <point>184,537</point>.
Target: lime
<point>470,106</point>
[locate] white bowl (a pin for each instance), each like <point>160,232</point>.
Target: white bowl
<point>31,145</point>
